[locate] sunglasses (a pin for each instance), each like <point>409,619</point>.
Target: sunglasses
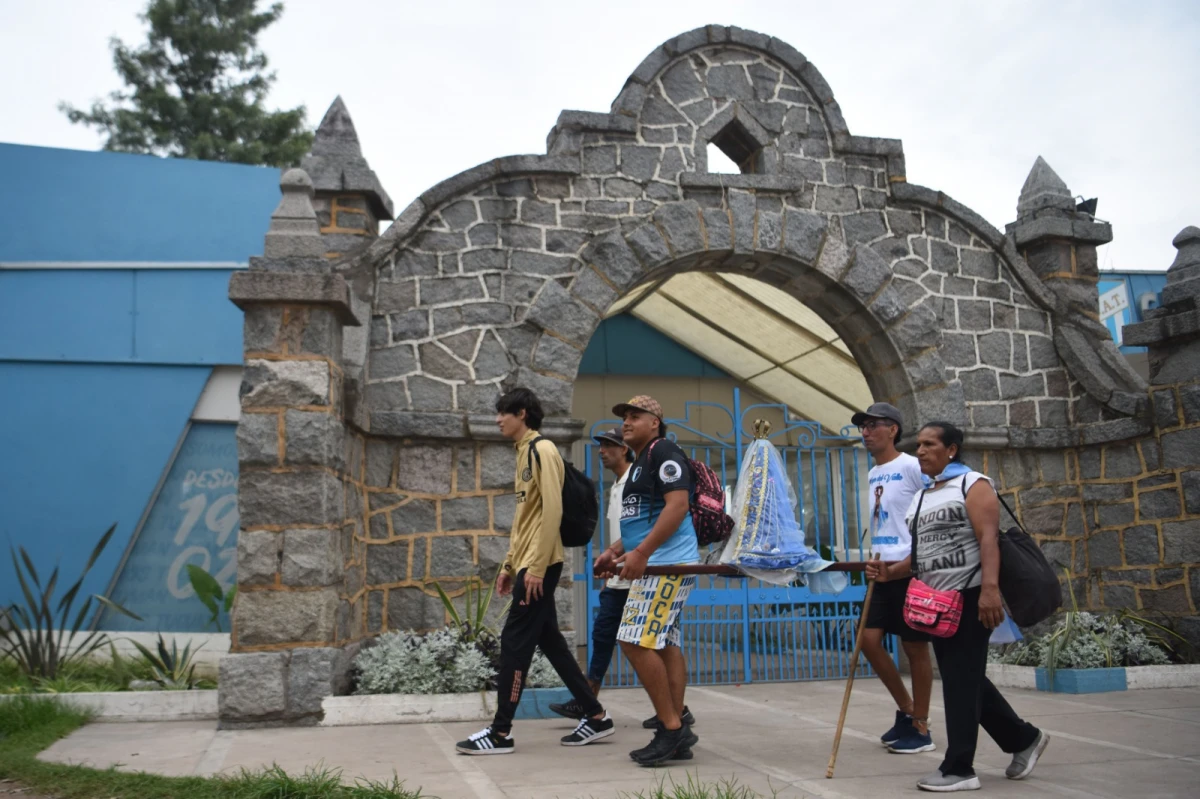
<point>874,424</point>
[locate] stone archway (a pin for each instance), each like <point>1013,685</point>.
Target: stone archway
<point>378,451</point>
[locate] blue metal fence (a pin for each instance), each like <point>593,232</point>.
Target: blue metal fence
<point>743,630</point>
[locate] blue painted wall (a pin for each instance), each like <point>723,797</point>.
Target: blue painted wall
<point>100,369</point>
<point>83,447</point>
<point>180,316</point>
<point>71,205</point>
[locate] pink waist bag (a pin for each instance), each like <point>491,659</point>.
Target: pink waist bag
<point>931,611</point>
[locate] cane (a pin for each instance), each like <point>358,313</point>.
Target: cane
<point>862,622</point>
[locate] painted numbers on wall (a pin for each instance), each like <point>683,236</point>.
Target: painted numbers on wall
<point>194,520</point>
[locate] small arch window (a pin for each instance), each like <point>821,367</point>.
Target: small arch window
<point>734,150</point>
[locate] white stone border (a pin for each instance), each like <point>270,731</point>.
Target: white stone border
<point>132,706</point>
<point>1136,677</point>
<point>350,711</point>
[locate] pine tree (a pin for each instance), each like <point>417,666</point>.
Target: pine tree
<point>196,88</point>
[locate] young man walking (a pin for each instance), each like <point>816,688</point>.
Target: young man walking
<point>656,529</point>
<point>530,573</point>
<point>616,457</point>
<point>894,480</point>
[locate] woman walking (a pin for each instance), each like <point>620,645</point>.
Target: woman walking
<point>955,527</point>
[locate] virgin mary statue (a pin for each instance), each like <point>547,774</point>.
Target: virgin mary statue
<point>767,542</point>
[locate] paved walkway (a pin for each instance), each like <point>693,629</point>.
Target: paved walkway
<point>770,737</point>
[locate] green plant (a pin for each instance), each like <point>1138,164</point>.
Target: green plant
<point>1083,640</point>
<point>40,639</point>
<point>472,623</point>
<point>30,724</point>
<point>695,788</point>
<point>170,667</point>
<point>209,591</point>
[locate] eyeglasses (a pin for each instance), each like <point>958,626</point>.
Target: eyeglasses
<point>873,424</point>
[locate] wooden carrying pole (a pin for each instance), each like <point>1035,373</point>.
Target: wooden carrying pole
<point>858,639</point>
<point>718,570</point>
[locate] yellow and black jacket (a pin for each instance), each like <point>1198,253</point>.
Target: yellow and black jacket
<point>536,543</point>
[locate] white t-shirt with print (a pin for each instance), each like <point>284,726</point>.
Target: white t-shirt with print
<point>948,556</point>
<point>892,486</point>
<point>616,496</point>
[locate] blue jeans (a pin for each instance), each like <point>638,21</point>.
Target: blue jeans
<point>604,631</point>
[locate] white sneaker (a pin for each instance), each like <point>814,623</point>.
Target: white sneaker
<point>944,783</point>
<point>1023,762</point>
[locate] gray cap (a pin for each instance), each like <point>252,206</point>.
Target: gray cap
<point>880,410</point>
<point>613,436</point>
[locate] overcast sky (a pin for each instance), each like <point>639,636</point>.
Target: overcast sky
<point>1106,92</point>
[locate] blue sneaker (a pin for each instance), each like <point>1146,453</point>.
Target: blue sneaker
<point>902,728</point>
<point>912,744</point>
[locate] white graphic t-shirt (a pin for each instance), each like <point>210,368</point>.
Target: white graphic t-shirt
<point>616,496</point>
<point>947,549</point>
<point>892,486</point>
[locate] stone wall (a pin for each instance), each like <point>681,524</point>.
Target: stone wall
<point>371,467</point>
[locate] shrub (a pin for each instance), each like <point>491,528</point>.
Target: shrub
<point>1082,640</point>
<point>441,662</point>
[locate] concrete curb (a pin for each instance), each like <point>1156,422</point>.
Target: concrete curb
<point>133,706</point>
<point>352,711</point>
<point>1136,677</point>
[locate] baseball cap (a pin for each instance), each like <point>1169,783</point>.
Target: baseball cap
<point>641,402</point>
<point>610,437</point>
<point>880,410</point>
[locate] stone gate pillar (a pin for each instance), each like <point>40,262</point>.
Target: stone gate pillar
<point>1172,334</point>
<point>293,616</point>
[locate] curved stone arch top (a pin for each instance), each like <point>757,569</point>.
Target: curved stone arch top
<point>499,275</point>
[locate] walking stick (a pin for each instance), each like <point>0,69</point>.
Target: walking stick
<point>858,639</point>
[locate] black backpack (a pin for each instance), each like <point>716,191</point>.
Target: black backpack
<point>1028,582</point>
<point>581,507</point>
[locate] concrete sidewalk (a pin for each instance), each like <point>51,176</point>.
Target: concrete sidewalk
<point>769,737</point>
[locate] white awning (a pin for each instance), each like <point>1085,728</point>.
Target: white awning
<point>759,335</point>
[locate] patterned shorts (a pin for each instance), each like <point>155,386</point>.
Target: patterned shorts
<point>651,616</point>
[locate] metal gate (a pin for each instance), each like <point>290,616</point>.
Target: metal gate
<point>742,630</point>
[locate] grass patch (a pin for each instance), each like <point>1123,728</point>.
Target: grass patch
<point>694,788</point>
<point>29,724</point>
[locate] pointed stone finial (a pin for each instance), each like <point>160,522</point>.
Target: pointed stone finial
<point>337,165</point>
<point>1183,276</point>
<point>1043,189</point>
<point>294,232</point>
<point>336,135</point>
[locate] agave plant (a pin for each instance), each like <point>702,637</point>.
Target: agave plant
<point>41,636</point>
<point>472,622</point>
<point>171,668</point>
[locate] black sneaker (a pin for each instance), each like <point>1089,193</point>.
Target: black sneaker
<point>570,710</point>
<point>486,742</point>
<point>589,731</point>
<point>687,718</point>
<point>901,729</point>
<point>667,745</point>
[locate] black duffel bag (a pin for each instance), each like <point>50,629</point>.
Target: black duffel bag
<point>1028,582</point>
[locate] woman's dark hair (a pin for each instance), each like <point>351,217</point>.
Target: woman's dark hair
<point>949,435</point>
<point>522,399</point>
<point>662,429</point>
